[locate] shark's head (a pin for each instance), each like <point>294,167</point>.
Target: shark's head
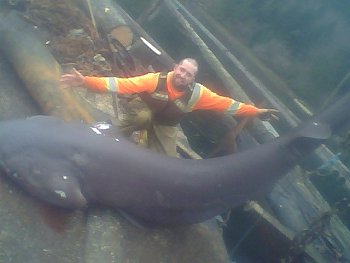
<point>32,162</point>
<point>46,177</point>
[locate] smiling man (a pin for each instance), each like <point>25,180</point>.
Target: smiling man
<point>161,100</point>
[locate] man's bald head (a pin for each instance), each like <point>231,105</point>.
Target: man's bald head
<point>185,73</point>
<point>191,61</point>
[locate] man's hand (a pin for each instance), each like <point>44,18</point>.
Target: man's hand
<point>74,78</point>
<point>267,114</point>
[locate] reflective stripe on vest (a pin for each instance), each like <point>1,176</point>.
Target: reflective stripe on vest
<point>112,84</point>
<point>186,106</point>
<point>233,108</point>
<point>196,93</point>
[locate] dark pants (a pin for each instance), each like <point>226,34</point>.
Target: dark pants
<point>137,116</point>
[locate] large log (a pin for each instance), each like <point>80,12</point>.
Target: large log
<point>15,102</point>
<point>150,11</point>
<point>40,73</point>
<point>109,15</point>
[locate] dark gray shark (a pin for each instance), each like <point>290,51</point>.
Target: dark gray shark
<point>69,165</point>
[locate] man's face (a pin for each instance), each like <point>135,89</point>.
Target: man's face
<point>184,74</point>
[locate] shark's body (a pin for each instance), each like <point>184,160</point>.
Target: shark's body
<point>70,165</point>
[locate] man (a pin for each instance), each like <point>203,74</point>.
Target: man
<point>163,98</point>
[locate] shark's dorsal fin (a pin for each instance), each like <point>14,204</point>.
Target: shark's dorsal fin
<point>315,130</point>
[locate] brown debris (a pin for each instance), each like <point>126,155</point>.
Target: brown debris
<point>73,38</point>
